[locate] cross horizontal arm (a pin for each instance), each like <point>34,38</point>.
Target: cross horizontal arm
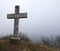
<point>20,15</point>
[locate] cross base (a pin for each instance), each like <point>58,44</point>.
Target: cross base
<point>15,39</point>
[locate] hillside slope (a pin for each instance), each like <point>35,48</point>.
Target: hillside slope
<point>5,45</point>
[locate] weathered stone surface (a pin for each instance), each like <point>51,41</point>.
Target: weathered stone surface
<point>20,15</point>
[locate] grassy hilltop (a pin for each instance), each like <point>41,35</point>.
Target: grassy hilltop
<point>5,45</point>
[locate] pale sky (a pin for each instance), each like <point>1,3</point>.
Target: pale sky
<point>43,17</point>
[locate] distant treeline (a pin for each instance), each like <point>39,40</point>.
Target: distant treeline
<point>52,41</point>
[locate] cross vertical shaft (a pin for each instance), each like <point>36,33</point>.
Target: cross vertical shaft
<point>16,21</point>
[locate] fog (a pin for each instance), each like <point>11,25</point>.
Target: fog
<point>43,17</point>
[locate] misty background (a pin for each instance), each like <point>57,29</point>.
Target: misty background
<point>43,17</point>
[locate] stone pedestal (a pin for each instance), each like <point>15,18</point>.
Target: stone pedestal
<point>15,40</point>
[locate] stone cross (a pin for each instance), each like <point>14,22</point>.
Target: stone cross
<point>16,17</point>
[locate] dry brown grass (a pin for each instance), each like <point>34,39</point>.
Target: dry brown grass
<point>5,45</point>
